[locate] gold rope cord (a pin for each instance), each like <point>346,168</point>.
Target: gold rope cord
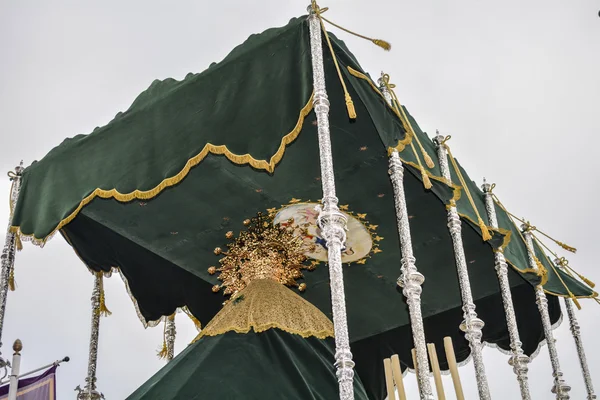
<point>265,304</point>
<point>209,148</point>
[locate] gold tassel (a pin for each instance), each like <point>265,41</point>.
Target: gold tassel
<point>104,311</point>
<point>18,242</point>
<point>427,158</point>
<point>350,107</point>
<point>485,233</point>
<point>378,42</point>
<point>567,247</point>
<point>12,285</point>
<point>587,281</point>
<point>164,351</point>
<point>383,44</point>
<point>426,180</point>
<point>576,302</point>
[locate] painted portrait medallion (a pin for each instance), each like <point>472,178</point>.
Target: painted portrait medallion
<point>359,242</point>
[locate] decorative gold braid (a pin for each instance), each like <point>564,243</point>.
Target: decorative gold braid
<point>209,148</point>
<point>485,234</point>
<point>191,316</point>
<point>349,102</point>
<point>557,274</point>
<point>565,264</point>
<point>542,272</point>
<point>266,304</point>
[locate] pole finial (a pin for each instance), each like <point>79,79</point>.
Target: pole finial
<point>17,346</point>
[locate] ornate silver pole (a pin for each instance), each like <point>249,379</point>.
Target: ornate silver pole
<point>575,331</point>
<point>471,324</point>
<point>170,333</point>
<point>517,360</point>
<point>410,279</point>
<point>8,253</point>
<point>560,388</point>
<point>331,221</point>
<point>89,391</point>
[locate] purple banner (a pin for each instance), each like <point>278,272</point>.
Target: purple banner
<point>42,387</point>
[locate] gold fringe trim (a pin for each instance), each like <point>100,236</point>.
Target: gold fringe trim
<point>266,304</point>
<point>209,148</point>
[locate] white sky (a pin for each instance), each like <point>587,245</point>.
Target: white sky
<point>517,85</point>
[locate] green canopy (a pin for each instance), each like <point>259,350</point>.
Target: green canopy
<point>244,137</point>
<point>234,366</point>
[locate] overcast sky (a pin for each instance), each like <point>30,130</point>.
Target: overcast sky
<point>516,84</point>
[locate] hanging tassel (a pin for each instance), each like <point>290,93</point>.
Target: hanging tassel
<point>18,242</point>
<point>485,232</point>
<point>12,285</point>
<point>566,247</point>
<point>350,107</point>
<point>576,302</point>
<point>104,311</point>
<point>587,281</point>
<point>427,158</point>
<point>381,43</point>
<point>164,351</point>
<point>426,181</point>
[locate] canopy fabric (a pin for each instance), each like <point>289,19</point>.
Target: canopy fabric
<point>267,365</point>
<point>120,198</point>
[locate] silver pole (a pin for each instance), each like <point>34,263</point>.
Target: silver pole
<point>471,324</point>
<point>560,388</point>
<point>331,221</point>
<point>89,392</point>
<point>517,360</point>
<point>410,279</point>
<point>8,253</point>
<point>575,331</point>
<point>14,371</point>
<point>170,333</point>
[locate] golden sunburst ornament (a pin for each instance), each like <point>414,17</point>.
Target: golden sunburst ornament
<point>263,251</point>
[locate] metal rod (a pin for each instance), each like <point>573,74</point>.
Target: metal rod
<point>397,372</point>
<point>452,366</point>
<point>389,379</point>
<point>331,220</point>
<point>57,362</point>
<point>576,332</point>
<point>89,392</point>
<point>560,388</point>
<point>8,253</point>
<point>471,325</point>
<point>518,360</point>
<point>437,375</point>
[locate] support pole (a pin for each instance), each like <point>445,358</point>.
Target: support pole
<point>170,333</point>
<point>517,360</point>
<point>8,253</point>
<point>575,331</point>
<point>410,279</point>
<point>471,324</point>
<point>89,392</point>
<point>437,374</point>
<point>15,370</point>
<point>331,220</point>
<point>389,379</point>
<point>397,373</point>
<point>560,388</point>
